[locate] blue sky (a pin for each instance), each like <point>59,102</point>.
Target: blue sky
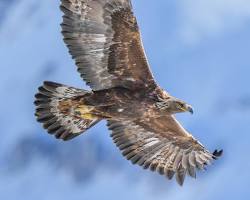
<point>198,51</point>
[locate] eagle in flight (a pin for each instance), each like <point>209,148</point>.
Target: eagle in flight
<point>104,40</point>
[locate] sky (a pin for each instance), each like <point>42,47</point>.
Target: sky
<point>198,51</point>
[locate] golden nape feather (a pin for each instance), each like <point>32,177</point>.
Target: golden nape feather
<point>103,38</point>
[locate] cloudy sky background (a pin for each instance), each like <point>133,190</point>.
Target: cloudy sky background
<point>199,52</point>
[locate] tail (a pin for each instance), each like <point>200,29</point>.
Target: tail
<point>55,110</point>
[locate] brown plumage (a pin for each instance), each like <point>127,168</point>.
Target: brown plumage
<point>104,39</point>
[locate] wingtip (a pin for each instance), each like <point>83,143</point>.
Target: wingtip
<point>217,154</point>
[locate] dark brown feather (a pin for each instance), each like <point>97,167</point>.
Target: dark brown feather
<point>104,39</point>
<point>53,111</point>
<point>160,144</point>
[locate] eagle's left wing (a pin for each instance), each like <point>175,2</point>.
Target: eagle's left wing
<point>104,39</point>
<point>162,145</point>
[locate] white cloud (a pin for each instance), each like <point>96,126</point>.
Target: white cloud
<point>205,18</point>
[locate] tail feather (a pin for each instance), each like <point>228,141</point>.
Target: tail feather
<point>54,103</point>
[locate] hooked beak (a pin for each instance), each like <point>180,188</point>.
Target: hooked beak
<point>189,109</point>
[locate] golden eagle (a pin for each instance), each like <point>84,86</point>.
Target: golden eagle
<point>104,40</point>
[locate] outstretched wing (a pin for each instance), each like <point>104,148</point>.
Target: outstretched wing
<point>104,39</point>
<point>162,145</point>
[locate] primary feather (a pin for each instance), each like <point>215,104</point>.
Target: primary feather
<point>103,38</point>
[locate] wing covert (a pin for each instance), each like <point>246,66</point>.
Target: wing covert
<point>103,37</point>
<point>168,149</point>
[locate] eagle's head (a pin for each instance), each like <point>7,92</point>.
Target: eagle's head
<point>173,105</point>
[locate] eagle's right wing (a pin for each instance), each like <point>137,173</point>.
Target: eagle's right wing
<point>162,145</point>
<point>104,39</point>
